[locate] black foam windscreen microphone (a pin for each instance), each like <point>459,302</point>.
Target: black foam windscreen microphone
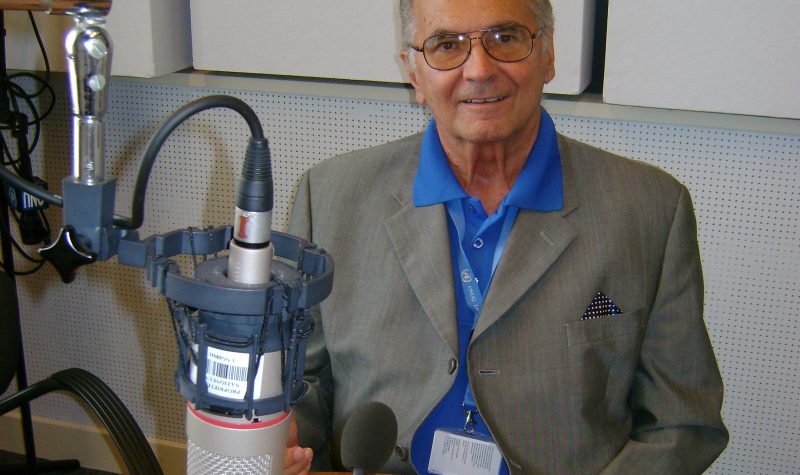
<point>368,437</point>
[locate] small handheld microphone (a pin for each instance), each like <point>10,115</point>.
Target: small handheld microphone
<point>368,438</point>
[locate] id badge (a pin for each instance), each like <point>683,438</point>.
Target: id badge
<point>456,452</point>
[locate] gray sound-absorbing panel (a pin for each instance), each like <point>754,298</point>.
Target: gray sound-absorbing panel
<point>110,322</point>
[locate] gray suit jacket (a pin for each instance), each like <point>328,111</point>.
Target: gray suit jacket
<point>638,392</point>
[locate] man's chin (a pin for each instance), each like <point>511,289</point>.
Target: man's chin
<point>485,133</point>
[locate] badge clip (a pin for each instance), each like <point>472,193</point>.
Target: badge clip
<point>469,423</point>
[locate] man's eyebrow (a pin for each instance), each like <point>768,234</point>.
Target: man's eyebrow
<point>442,31</point>
<point>506,24</point>
<point>503,24</point>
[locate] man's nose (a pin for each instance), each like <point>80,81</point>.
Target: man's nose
<point>479,65</point>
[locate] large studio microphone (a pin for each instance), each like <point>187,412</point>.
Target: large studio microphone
<point>220,444</point>
<point>242,320</point>
<point>368,438</point>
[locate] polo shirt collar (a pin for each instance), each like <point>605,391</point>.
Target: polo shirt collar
<point>539,185</point>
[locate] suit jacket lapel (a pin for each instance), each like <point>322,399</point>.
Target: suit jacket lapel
<point>420,239</point>
<point>536,241</point>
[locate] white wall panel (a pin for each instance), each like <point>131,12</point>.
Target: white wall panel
<point>349,39</point>
<point>150,38</point>
<point>732,56</point>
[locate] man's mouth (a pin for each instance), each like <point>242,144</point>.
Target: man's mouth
<point>484,100</point>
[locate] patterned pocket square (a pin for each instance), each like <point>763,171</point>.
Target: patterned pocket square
<point>600,306</point>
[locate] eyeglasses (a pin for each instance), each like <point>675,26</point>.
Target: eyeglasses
<point>505,43</point>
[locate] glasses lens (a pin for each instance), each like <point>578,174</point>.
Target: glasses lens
<point>446,51</point>
<point>511,43</point>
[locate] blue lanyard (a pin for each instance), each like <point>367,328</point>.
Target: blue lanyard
<point>469,284</point>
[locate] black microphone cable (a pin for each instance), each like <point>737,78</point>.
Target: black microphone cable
<point>163,133</point>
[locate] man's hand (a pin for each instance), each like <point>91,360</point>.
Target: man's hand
<point>297,460</point>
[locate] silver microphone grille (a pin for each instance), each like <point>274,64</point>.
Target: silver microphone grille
<point>200,461</point>
<point>241,448</point>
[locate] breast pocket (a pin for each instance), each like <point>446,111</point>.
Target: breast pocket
<point>604,356</point>
<point>612,327</point>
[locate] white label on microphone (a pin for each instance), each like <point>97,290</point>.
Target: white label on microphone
<point>454,453</point>
<point>226,373</point>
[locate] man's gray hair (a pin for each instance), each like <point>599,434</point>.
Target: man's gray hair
<point>542,11</point>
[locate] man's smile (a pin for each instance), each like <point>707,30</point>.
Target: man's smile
<point>484,100</point>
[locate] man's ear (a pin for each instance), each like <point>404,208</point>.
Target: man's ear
<point>550,72</point>
<point>412,76</point>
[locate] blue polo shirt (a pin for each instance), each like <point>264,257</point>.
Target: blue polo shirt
<point>538,187</point>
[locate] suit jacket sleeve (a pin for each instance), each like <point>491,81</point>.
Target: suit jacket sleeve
<point>677,393</point>
<point>315,406</point>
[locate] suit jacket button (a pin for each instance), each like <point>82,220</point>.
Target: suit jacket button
<point>401,452</point>
<point>452,365</point>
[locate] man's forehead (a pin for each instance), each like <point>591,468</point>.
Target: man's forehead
<point>456,16</point>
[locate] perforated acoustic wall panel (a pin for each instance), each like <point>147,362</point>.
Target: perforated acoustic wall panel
<point>744,186</point>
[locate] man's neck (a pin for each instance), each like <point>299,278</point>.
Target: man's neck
<point>488,171</point>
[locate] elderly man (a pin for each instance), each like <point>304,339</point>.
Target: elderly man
<point>505,289</point>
